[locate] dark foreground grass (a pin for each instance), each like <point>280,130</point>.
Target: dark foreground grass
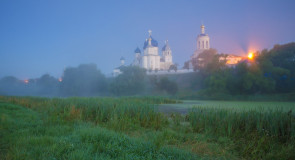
<point>131,128</point>
<point>25,134</point>
<point>257,135</point>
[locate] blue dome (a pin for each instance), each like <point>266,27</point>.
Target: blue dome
<point>201,35</point>
<point>154,43</point>
<point>137,50</point>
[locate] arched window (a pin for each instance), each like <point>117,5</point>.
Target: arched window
<point>207,45</point>
<point>199,47</point>
<point>203,45</point>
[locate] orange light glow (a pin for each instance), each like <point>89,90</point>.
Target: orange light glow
<point>26,81</point>
<point>250,55</point>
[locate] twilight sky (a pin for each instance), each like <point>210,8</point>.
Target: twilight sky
<point>38,36</point>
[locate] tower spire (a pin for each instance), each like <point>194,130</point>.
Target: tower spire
<point>202,29</point>
<point>150,32</point>
<point>166,42</point>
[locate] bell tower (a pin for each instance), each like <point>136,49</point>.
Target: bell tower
<point>203,42</point>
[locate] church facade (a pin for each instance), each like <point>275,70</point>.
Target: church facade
<point>151,59</point>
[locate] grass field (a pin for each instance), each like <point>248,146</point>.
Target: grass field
<point>132,128</point>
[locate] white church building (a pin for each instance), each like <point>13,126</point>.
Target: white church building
<point>156,64</point>
<point>151,60</point>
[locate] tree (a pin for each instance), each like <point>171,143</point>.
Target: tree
<point>270,71</point>
<point>278,64</point>
<point>130,82</point>
<point>47,85</point>
<point>173,67</point>
<point>217,82</point>
<point>283,56</point>
<point>186,65</point>
<point>85,80</point>
<point>10,86</point>
<point>169,86</point>
<point>204,58</point>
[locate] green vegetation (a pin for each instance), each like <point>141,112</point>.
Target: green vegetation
<point>260,134</point>
<point>132,128</point>
<point>270,75</point>
<point>85,80</point>
<point>26,135</point>
<point>130,82</point>
<point>163,85</point>
<point>68,129</point>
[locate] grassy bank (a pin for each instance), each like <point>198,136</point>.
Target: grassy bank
<point>132,128</point>
<point>258,134</point>
<point>26,134</point>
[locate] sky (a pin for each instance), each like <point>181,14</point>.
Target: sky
<point>44,37</point>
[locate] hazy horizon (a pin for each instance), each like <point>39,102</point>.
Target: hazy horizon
<point>39,37</point>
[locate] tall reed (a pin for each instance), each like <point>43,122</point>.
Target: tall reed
<point>273,123</point>
<point>118,113</point>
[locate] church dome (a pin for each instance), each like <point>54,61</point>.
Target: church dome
<point>154,43</point>
<point>137,50</point>
<point>166,47</point>
<point>202,35</point>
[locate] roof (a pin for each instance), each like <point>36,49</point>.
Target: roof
<point>137,50</point>
<point>166,47</point>
<point>203,34</point>
<point>122,58</point>
<point>153,42</point>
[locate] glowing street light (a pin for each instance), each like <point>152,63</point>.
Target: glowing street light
<point>250,55</point>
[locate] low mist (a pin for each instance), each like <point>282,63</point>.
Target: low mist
<point>269,72</point>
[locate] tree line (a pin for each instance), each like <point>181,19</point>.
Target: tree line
<point>86,80</point>
<point>270,72</point>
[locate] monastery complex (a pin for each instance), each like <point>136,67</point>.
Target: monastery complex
<point>155,63</point>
